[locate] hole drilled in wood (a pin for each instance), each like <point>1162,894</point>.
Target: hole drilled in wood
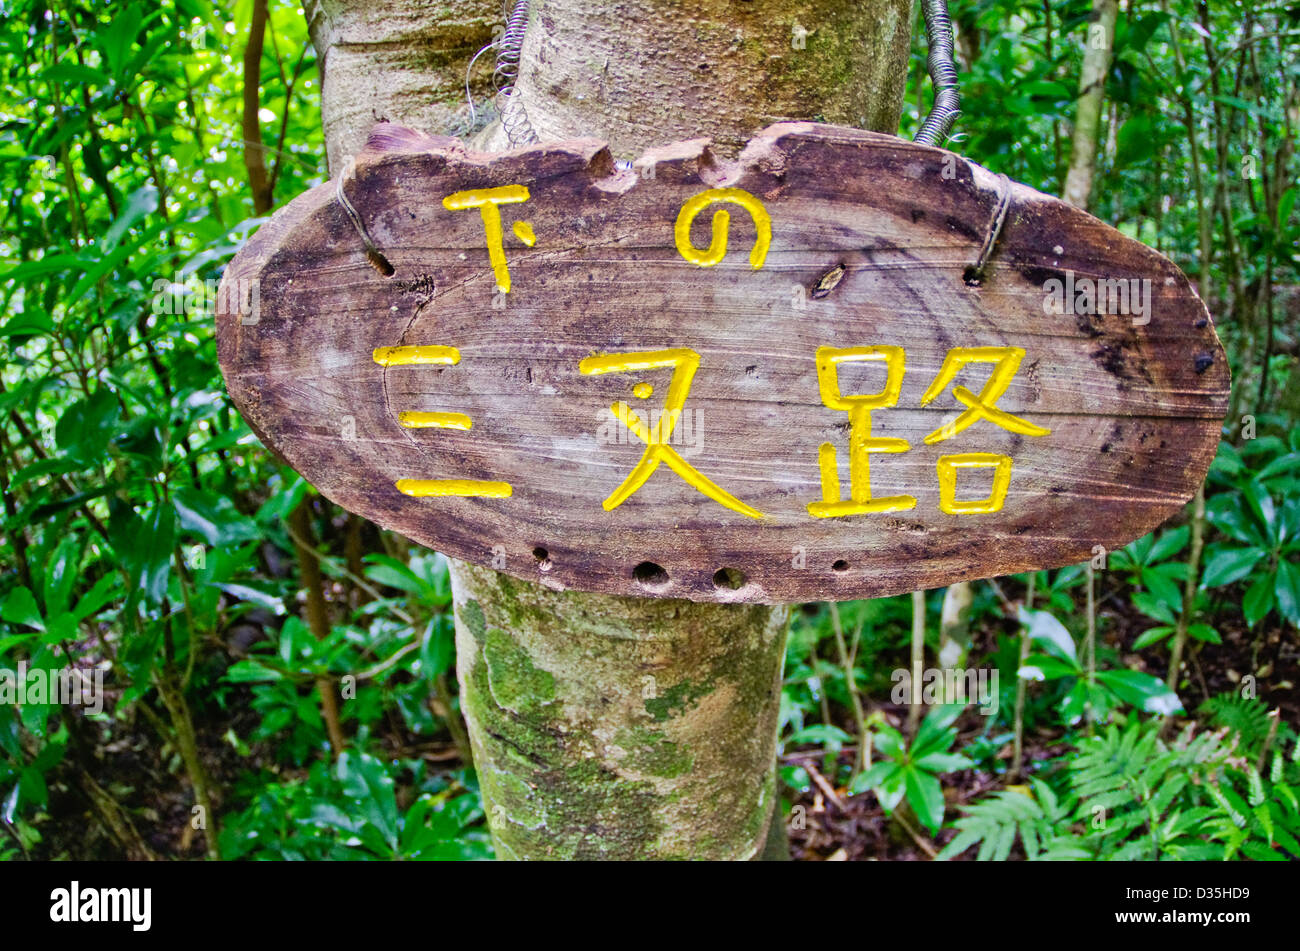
<point>840,565</point>
<point>543,558</point>
<point>730,579</point>
<point>650,575</point>
<point>380,263</point>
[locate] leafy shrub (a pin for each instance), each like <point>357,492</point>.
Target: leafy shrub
<point>1130,795</point>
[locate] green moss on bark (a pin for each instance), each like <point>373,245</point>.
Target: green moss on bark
<point>652,753</point>
<point>472,615</point>
<point>676,699</point>
<point>515,683</point>
<point>618,727</point>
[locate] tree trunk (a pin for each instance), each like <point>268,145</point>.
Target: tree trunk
<point>621,728</point>
<point>641,73</point>
<point>609,727</point>
<point>399,61</point>
<point>1099,42</point>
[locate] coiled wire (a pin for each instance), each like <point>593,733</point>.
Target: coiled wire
<point>943,74</point>
<point>514,118</point>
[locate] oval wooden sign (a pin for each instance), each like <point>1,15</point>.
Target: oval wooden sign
<point>776,379</point>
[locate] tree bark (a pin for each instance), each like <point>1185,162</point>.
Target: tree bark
<point>608,727</point>
<point>639,73</point>
<point>259,181</point>
<point>1099,42</point>
<point>399,61</point>
<point>618,728</point>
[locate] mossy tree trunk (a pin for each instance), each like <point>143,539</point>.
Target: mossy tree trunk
<point>609,727</point>
<point>1099,41</point>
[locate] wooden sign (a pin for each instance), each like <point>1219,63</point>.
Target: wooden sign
<point>844,365</point>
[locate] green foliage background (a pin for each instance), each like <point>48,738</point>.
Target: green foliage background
<point>148,534</point>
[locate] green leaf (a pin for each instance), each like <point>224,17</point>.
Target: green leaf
<point>438,650</point>
<point>960,843</point>
<point>1152,636</point>
<point>1258,600</point>
<point>1169,543</point>
<point>1261,503</point>
<point>878,774</point>
<point>1042,667</point>
<point>87,426</point>
<point>26,324</point>
<point>925,796</point>
<point>143,201</point>
<point>61,573</point>
<point>1227,461</point>
<point>1286,204</point>
<point>933,734</point>
<point>365,779</point>
<point>144,546</point>
<point>940,718</point>
<point>1154,607</point>
<point>283,500</point>
<point>293,632</point>
<point>1283,464</point>
<point>1161,586</point>
<point>61,628</point>
<point>1236,102</point>
<point>386,570</point>
<point>1229,565</point>
<point>1141,690</point>
<point>1287,591</point>
<point>116,37</point>
<point>888,741</point>
<point>74,74</point>
<point>891,790</point>
<point>49,264</point>
<point>250,671</point>
<point>105,590</point>
<point>1043,626</point>
<point>33,786</point>
<point>821,733</point>
<point>944,762</point>
<point>20,608</point>
<point>246,592</point>
<point>213,518</point>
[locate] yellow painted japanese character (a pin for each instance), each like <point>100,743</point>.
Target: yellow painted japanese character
<point>861,442</point>
<point>947,468</point>
<point>488,202</point>
<point>717,248</point>
<point>684,363</point>
<point>1006,360</point>
<point>428,355</point>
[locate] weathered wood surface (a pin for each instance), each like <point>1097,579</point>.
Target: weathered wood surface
<point>871,239</point>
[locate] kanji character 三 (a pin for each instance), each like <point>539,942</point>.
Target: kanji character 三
<point>428,355</point>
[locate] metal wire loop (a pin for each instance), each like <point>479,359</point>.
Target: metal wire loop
<point>943,74</point>
<point>974,275</point>
<point>514,118</point>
